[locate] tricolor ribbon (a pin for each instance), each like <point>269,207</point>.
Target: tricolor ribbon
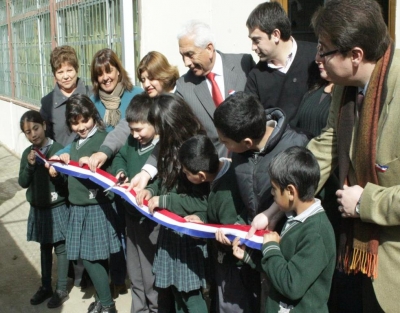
<point>160,216</point>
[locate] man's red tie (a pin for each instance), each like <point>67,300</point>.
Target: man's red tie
<point>216,93</point>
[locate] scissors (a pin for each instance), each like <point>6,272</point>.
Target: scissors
<point>120,181</point>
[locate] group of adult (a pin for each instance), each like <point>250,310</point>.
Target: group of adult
<point>111,92</point>
<point>354,52</point>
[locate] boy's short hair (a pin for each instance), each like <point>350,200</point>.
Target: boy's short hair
<point>138,109</point>
<point>241,116</point>
<point>199,154</point>
<point>296,166</point>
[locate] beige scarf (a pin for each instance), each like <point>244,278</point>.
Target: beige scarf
<point>112,101</point>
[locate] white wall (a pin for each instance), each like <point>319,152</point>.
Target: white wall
<point>10,133</point>
<point>161,21</point>
<point>397,27</point>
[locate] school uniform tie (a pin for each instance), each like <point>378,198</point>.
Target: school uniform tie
<point>216,93</point>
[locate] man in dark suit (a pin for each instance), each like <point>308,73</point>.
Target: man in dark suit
<point>197,47</point>
<point>281,77</point>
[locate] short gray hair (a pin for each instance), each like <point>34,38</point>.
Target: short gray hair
<point>199,31</point>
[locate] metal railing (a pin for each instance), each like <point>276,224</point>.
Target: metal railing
<point>30,29</point>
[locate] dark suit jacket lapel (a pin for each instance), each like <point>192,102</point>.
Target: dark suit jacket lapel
<point>230,78</point>
<point>203,94</point>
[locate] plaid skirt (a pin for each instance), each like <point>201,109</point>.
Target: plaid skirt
<point>47,225</point>
<point>180,261</point>
<point>91,233</point>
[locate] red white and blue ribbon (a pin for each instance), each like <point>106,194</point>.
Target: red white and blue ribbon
<point>160,216</point>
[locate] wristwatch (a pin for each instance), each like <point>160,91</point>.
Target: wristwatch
<point>358,206</point>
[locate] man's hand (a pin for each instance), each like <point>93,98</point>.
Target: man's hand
<point>97,160</point>
<point>347,199</point>
<point>139,182</point>
<point>271,236</point>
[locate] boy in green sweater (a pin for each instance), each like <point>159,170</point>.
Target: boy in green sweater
<point>300,262</point>
<point>200,163</point>
<point>142,232</point>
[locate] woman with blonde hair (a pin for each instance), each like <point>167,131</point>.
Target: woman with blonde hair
<point>156,74</point>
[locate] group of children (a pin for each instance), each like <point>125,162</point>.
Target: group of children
<point>267,164</point>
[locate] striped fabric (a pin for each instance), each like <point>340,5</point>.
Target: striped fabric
<point>180,261</point>
<point>91,232</point>
<point>47,225</point>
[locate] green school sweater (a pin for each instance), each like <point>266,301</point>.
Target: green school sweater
<point>225,206</point>
<point>182,204</point>
<point>84,191</point>
<point>130,160</point>
<point>43,191</point>
<point>300,267</point>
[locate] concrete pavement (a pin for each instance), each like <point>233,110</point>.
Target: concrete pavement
<point>20,260</point>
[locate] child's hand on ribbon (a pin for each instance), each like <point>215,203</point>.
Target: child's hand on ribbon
<point>153,203</point>
<point>143,195</point>
<point>220,237</point>
<point>271,236</point>
<point>193,218</point>
<point>65,157</point>
<point>238,248</point>
<point>52,171</point>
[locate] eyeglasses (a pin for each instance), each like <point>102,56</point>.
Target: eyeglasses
<point>323,55</point>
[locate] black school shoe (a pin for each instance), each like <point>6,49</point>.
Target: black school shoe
<point>41,295</point>
<point>109,309</point>
<point>58,298</point>
<point>95,307</point>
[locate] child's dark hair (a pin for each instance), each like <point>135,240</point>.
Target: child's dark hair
<point>241,116</point>
<point>199,154</point>
<point>30,116</point>
<point>175,122</point>
<point>81,105</point>
<point>138,108</point>
<point>296,166</point>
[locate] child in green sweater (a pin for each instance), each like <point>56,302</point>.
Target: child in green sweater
<point>91,233</point>
<point>200,163</point>
<point>180,261</point>
<point>300,262</point>
<point>48,215</point>
<point>142,233</point>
